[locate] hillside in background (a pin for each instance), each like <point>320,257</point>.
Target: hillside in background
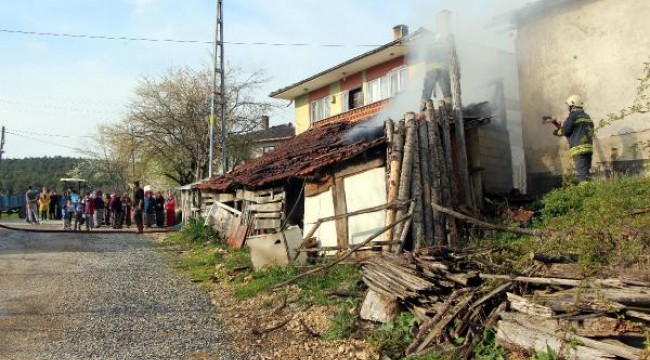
<point>17,174</point>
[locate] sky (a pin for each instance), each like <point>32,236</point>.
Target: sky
<point>55,91</point>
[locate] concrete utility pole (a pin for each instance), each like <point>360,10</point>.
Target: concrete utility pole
<point>218,68</point>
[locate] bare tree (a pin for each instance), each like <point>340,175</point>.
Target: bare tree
<point>166,126</point>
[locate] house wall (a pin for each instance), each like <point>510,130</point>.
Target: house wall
<point>336,89</point>
<point>360,190</point>
<point>594,48</point>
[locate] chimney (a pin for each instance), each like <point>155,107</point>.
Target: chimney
<point>443,23</point>
<point>264,123</point>
<point>400,31</point>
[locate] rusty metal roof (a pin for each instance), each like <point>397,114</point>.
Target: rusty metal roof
<point>322,145</point>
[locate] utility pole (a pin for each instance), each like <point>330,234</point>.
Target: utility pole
<point>218,69</point>
<point>2,144</point>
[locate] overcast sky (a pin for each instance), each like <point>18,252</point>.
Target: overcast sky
<point>56,90</point>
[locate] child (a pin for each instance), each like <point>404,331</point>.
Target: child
<point>67,212</point>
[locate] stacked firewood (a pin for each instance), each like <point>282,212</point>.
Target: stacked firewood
<point>455,301</point>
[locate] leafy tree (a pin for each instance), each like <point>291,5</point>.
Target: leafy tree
<point>18,174</point>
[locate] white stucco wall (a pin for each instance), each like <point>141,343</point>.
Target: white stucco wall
<point>363,191</point>
<point>316,207</point>
<point>594,48</point>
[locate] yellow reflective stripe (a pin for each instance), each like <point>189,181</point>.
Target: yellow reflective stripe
<point>583,120</point>
<point>559,132</point>
<point>581,149</point>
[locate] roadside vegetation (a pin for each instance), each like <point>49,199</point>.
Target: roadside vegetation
<point>606,224</point>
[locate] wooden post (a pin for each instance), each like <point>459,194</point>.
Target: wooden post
<point>417,224</point>
<point>407,166</point>
<point>437,173</point>
<point>340,207</point>
<point>389,129</point>
<point>449,185</point>
<point>425,172</point>
<point>454,75</point>
<point>396,154</point>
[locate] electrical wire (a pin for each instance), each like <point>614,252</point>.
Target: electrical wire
<point>180,41</point>
<point>47,134</point>
<point>43,141</point>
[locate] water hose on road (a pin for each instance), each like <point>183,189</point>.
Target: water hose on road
<point>94,231</point>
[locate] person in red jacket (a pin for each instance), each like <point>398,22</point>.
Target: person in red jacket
<point>170,210</point>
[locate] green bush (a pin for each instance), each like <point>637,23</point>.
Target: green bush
<point>194,232</point>
<point>394,337</point>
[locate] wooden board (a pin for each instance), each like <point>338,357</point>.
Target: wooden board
<point>266,224</point>
<point>315,188</point>
<point>237,234</point>
<point>270,207</point>
<point>259,197</point>
<point>340,207</point>
<point>270,215</point>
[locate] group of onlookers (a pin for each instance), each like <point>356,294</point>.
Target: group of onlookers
<point>95,209</point>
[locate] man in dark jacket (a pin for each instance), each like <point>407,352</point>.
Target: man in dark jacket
<point>138,206</point>
<point>578,128</point>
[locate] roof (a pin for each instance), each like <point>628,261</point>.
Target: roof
<point>278,132</point>
<point>354,65</point>
<point>323,145</point>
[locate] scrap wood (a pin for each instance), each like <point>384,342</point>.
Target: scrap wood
<point>347,255</point>
<point>309,330</point>
<point>481,223</point>
<point>489,323</point>
<point>279,325</point>
<point>614,283</point>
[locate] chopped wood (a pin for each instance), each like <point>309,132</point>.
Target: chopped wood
<point>555,281</point>
<point>638,315</point>
<point>379,308</point>
<point>449,185</point>
<point>578,301</point>
<point>427,186</point>
<point>417,222</point>
<point>484,224</point>
<point>526,306</point>
<point>511,334</point>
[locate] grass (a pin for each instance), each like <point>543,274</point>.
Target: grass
<point>592,220</point>
<point>394,337</point>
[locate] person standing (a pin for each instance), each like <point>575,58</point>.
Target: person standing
<point>150,209</point>
<point>98,201</point>
<point>89,212</point>
<point>138,204</point>
<point>127,205</point>
<point>44,204</point>
<point>116,206</point>
<point>160,210</point>
<point>54,204</point>
<point>437,70</point>
<point>170,210</point>
<point>31,200</point>
<point>578,128</point>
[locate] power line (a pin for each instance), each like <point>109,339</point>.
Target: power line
<point>180,41</point>
<point>43,141</point>
<point>49,134</point>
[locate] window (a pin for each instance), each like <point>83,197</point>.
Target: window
<point>387,85</point>
<point>352,99</point>
<point>320,109</point>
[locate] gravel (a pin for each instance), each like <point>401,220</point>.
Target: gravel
<point>100,296</point>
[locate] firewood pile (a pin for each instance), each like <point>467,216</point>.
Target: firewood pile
<point>455,300</point>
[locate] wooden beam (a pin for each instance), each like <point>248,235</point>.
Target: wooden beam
<point>270,215</point>
<point>407,166</point>
<point>427,188</point>
<point>316,188</point>
<point>257,197</point>
<point>417,225</point>
<point>340,207</point>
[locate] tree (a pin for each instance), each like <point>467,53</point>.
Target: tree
<point>168,118</point>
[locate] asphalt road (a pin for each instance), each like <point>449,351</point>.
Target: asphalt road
<point>99,296</point>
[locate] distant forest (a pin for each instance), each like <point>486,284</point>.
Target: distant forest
<point>17,174</point>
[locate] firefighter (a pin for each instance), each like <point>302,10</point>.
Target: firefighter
<point>437,70</point>
<point>578,128</point>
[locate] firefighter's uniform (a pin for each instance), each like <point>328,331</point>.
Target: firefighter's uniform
<point>578,128</point>
<point>437,70</point>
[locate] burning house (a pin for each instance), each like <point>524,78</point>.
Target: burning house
<point>338,179</point>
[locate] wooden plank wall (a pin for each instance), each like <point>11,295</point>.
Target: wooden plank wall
<point>264,209</point>
<point>496,160</point>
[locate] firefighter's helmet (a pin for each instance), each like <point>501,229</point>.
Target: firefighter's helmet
<point>575,100</point>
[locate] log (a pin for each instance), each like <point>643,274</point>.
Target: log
<point>510,334</point>
<point>578,300</point>
<point>526,306</point>
<point>417,221</point>
<point>407,166</point>
<point>379,308</point>
<point>632,295</point>
<point>638,315</point>
<point>397,151</point>
<point>459,129</point>
<point>484,224</point>
<point>437,174</point>
<point>556,281</point>
<point>405,230</point>
<point>427,188</point>
<point>600,326</point>
<point>449,185</point>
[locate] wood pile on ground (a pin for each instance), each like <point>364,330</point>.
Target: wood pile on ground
<point>455,300</point>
